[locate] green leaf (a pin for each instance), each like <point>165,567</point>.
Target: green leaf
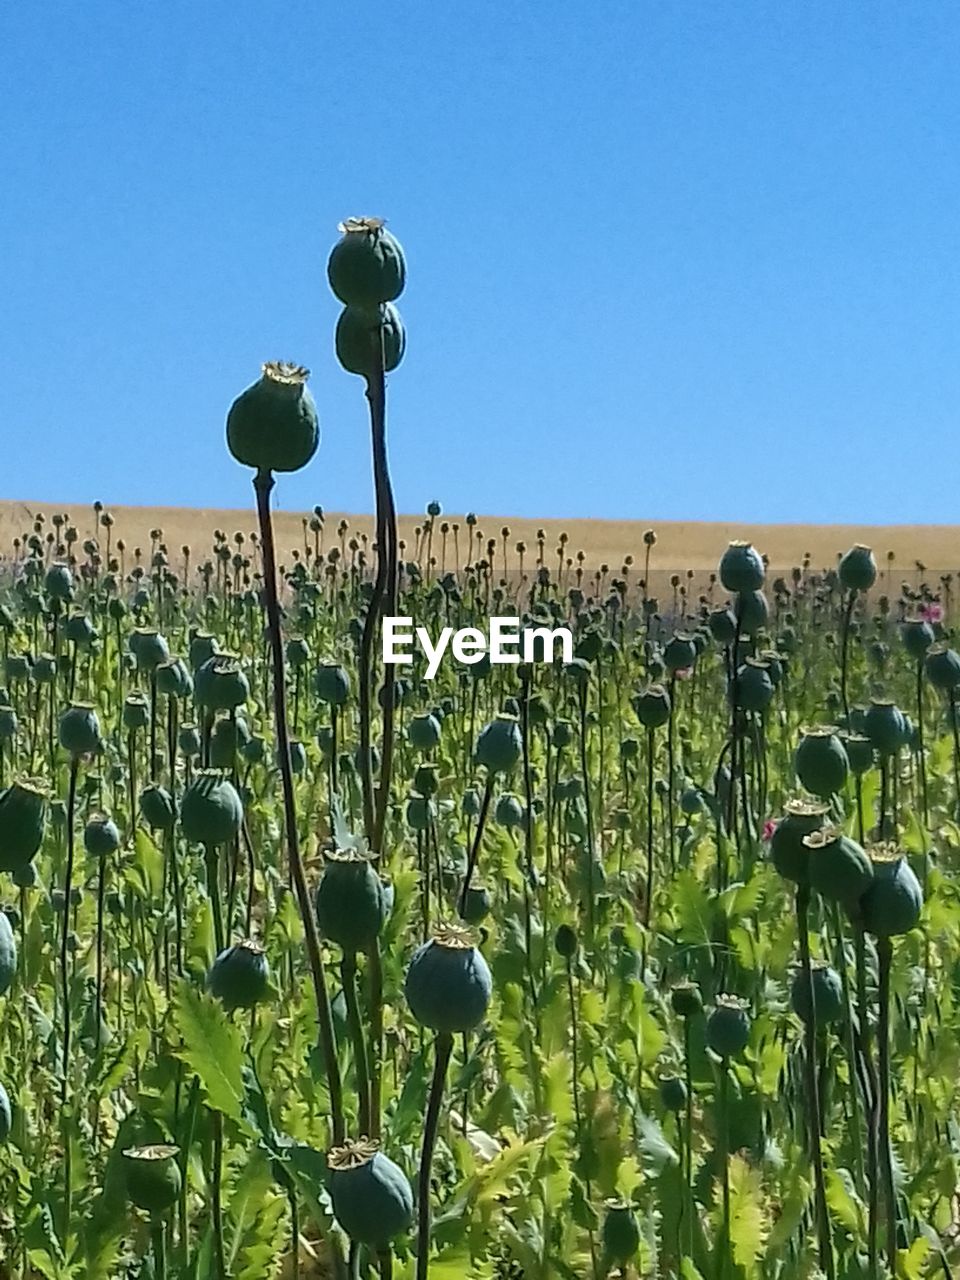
<point>211,1047</point>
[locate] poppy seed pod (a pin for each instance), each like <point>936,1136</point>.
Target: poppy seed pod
<point>79,730</point>
<point>448,984</point>
<point>685,999</point>
<point>917,636</point>
<point>23,814</point>
<point>420,812</point>
<point>893,902</point>
<point>101,836</point>
<point>156,806</point>
<point>470,804</point>
<point>365,337</point>
<point>202,647</point>
<point>476,906</point>
<point>273,425</point>
<point>509,811</point>
<point>173,679</point>
<point>16,668</point>
<point>858,569</point>
<point>227,737</point>
<point>210,811</point>
<point>79,630</point>
<point>859,751</point>
<point>8,952</point>
<point>136,712</point>
<point>680,652</point>
<point>188,740</point>
<point>741,568</point>
<point>366,266</point>
<point>941,666</point>
<point>884,726</point>
<point>6,1115</point>
<point>565,942</point>
<point>562,734</point>
<point>752,610</point>
<point>652,706</point>
<point>673,1093</point>
<point>499,745</point>
<point>620,1233</point>
<point>58,582</point>
<point>149,648</point>
<point>371,1196</point>
<point>821,761</point>
<point>839,869</point>
<point>728,1027</point>
<point>298,652</point>
<point>788,853</point>
<point>152,1177</point>
<point>331,684</point>
<point>722,625</point>
<point>753,686</point>
<point>827,994</point>
<point>349,901</point>
<point>219,684</point>
<point>240,976</point>
<point>423,732</point>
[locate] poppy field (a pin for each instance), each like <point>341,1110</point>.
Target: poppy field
<point>642,964</point>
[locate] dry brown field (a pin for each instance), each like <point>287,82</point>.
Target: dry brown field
<point>680,545</point>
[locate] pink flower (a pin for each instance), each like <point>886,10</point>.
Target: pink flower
<point>769,827</point>
<point>684,673</point>
<point>932,613</point>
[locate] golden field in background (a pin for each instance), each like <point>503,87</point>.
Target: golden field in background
<point>695,545</point>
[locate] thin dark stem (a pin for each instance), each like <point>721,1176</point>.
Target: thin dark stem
<point>443,1049</point>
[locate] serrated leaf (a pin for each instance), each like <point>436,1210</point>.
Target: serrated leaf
<point>211,1047</point>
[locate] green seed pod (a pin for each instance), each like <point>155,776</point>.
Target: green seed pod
<point>673,1092</point>
<point>723,625</point>
<point>420,812</point>
<point>620,1234</point>
<point>240,976</point>
<point>366,266</point>
<point>741,568</point>
<point>426,780</point>
<point>821,761</point>
<point>942,667</point>
<point>499,745</point>
<point>827,992</point>
<point>366,336</point>
<point>23,814</point>
<point>509,811</point>
<point>219,683</point>
<point>16,668</point>
<point>652,706</point>
<point>136,712</point>
<point>565,942</point>
<point>273,425</point>
<point>884,726</point>
<point>8,954</point>
<point>917,636</point>
<point>228,736</point>
<point>859,751</point>
<point>157,808</point>
<point>753,611</point>
<point>728,1027</point>
<point>202,647</point>
<point>423,732</point>
<point>8,723</point>
<point>680,652</point>
<point>349,901</point>
<point>101,836</point>
<point>152,1177</point>
<point>839,869</point>
<point>6,1115</point>
<point>371,1196</point>
<point>210,811</point>
<point>562,734</point>
<point>298,757</point>
<point>298,652</point>
<point>858,569</point>
<point>80,730</point>
<point>58,583</point>
<point>893,901</point>
<point>685,999</point>
<point>470,804</point>
<point>149,648</point>
<point>173,679</point>
<point>788,852</point>
<point>754,688</point>
<point>332,684</point>
<point>448,983</point>
<point>188,741</point>
<point>477,904</point>
<point>79,630</point>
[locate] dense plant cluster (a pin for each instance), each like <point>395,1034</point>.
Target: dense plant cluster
<point>642,964</point>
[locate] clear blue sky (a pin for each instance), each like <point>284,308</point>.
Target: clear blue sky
<point>666,260</point>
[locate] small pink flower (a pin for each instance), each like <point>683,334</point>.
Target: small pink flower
<point>932,613</point>
<point>769,827</point>
<point>683,674</point>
